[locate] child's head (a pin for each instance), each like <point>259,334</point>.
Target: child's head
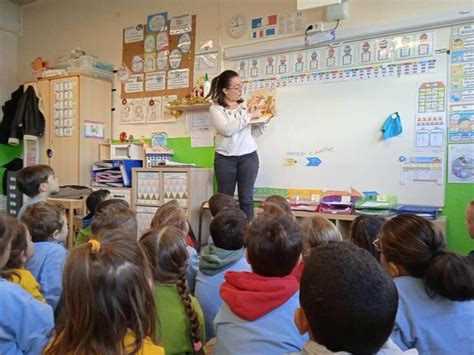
<point>317,231</point>
<point>8,226</point>
<point>165,248</point>
<point>273,209</point>
<point>36,179</point>
<point>114,214</point>
<point>414,246</point>
<point>348,302</point>
<point>220,201</point>
<point>228,229</point>
<point>106,291</point>
<point>280,201</point>
<point>95,198</point>
<point>170,214</point>
<point>45,222</point>
<point>470,219</point>
<point>273,245</point>
<point>364,230</point>
<point>22,247</point>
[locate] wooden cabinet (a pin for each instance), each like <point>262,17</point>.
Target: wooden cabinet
<point>77,112</point>
<point>151,187</point>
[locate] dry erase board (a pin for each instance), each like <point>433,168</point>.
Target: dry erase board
<point>328,136</point>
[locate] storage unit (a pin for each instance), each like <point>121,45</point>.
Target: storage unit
<point>14,196</point>
<point>77,112</point>
<point>151,187</point>
<point>121,193</point>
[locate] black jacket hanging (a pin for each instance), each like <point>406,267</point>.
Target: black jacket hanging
<point>9,109</point>
<point>28,118</point>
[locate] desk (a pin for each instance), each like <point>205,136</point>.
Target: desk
<point>69,205</point>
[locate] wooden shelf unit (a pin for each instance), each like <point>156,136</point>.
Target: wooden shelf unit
<point>151,187</point>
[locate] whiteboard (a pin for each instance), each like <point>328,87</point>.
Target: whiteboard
<point>340,123</point>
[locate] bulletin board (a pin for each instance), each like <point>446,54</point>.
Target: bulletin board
<point>328,136</point>
<point>131,50</point>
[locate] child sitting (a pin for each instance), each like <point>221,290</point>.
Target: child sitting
<point>220,201</point>
<point>37,182</point>
<point>108,301</point>
<point>227,253</point>
<point>280,201</point>
<point>316,231</point>
<point>25,323</point>
<point>181,322</point>
<point>92,202</point>
<point>364,230</point>
<point>171,214</point>
<point>348,302</point>
<point>114,214</point>
<point>22,248</point>
<point>257,314</point>
<point>435,287</point>
<point>48,228</point>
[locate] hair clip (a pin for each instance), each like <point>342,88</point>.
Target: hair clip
<point>197,346</point>
<point>95,245</point>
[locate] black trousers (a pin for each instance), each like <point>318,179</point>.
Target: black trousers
<point>241,170</point>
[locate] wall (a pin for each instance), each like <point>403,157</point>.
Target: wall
<point>54,27</point>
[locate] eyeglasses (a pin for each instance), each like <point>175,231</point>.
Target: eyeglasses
<point>377,243</point>
<point>236,87</point>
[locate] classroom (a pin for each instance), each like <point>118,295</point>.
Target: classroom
<point>301,130</point>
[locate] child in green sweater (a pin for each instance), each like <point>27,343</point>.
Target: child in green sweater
<point>180,317</point>
<point>93,200</point>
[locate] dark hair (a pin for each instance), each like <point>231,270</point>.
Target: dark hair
<point>273,209</point>
<point>218,84</point>
<point>115,218</point>
<point>42,220</point>
<point>19,247</point>
<point>364,230</point>
<point>349,300</point>
<point>95,198</point>
<point>228,229</point>
<point>29,179</point>
<point>419,247</point>
<point>170,214</point>
<point>273,244</point>
<point>219,201</point>
<point>165,248</point>
<point>317,231</point>
<point>106,291</point>
<point>111,205</point>
<point>281,202</point>
<point>8,231</point>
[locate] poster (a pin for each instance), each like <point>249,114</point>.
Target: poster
<point>347,55</point>
<point>178,79</point>
<point>166,115</point>
<point>383,50</point>
<point>265,26</point>
<point>202,132</point>
<point>313,59</point>
<point>461,123</point>
<point>94,129</point>
<point>134,83</point>
<point>133,34</point>
<point>331,55</point>
<point>421,170</point>
<point>290,22</point>
<point>461,163</point>
<point>430,132</point>
<point>181,24</point>
<point>153,109</point>
<point>431,97</point>
<point>366,52</point>
<point>157,22</point>
<point>155,81</point>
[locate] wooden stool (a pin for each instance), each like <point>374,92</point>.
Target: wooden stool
<point>70,205</point>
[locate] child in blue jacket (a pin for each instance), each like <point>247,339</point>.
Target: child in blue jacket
<point>48,228</point>
<point>257,314</point>
<point>227,253</point>
<point>25,322</point>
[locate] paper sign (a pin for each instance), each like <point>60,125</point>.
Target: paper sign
<point>134,83</point>
<point>178,79</point>
<point>155,81</point>
<point>133,34</point>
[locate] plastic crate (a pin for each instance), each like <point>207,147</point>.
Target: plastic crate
<point>87,61</point>
<point>94,72</point>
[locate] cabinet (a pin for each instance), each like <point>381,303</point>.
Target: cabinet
<point>151,187</point>
<point>77,112</point>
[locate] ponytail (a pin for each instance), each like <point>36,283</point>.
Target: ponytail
<point>195,327</point>
<point>218,84</point>
<point>451,276</point>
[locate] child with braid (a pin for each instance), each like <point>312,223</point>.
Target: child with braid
<point>171,214</point>
<point>180,318</point>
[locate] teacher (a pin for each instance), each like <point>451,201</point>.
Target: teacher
<point>236,158</point>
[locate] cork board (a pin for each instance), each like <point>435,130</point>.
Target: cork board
<point>177,55</point>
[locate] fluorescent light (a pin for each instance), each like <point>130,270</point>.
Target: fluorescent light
<point>311,4</point>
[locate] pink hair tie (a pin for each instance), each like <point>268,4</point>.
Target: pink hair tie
<point>197,346</point>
